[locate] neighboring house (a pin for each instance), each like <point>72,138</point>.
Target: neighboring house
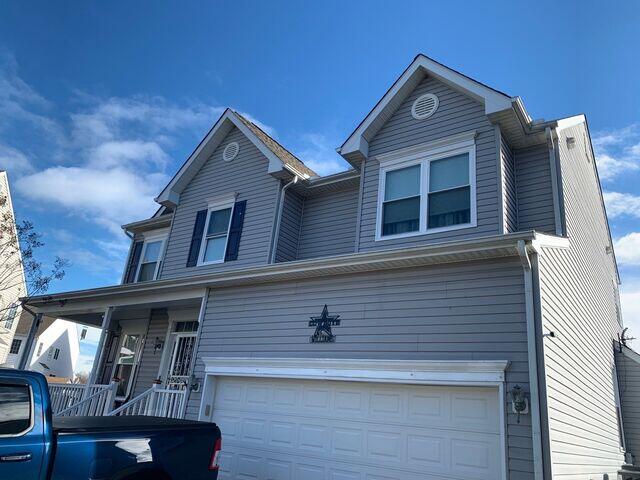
<point>447,308</point>
<point>57,349</point>
<point>12,280</point>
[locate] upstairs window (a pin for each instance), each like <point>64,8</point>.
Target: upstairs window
<point>216,233</point>
<point>150,260</point>
<point>56,354</point>
<point>9,316</point>
<point>427,191</point>
<point>15,346</point>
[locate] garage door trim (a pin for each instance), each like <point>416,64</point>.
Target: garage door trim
<point>420,372</point>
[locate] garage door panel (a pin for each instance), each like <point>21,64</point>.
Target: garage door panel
<point>344,430</point>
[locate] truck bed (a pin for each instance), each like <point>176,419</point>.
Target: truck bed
<point>122,423</point>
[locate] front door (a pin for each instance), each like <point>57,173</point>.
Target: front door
<point>180,363</point>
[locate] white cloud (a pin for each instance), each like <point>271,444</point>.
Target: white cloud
<point>14,161</point>
<point>622,204</point>
<point>318,153</point>
<point>108,197</point>
<point>627,249</point>
<point>617,151</point>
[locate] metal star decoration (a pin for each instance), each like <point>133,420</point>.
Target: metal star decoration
<point>323,324</point>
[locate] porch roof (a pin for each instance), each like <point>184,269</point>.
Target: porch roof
<point>88,303</point>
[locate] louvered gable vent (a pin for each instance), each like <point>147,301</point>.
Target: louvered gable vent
<point>230,151</point>
<point>424,106</point>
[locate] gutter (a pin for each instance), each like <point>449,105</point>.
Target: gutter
<point>536,426</point>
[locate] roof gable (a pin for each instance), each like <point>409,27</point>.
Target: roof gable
<point>279,158</point>
<point>356,146</point>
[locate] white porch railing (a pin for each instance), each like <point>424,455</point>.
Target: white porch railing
<point>66,395</point>
<point>98,403</point>
<point>156,402</point>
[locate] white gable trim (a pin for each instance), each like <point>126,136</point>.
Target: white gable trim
<point>493,101</point>
<point>171,193</point>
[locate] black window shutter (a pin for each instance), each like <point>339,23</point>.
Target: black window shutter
<point>133,263</point>
<point>196,238</point>
<point>235,231</point>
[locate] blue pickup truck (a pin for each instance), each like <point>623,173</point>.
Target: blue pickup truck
<point>34,445</point>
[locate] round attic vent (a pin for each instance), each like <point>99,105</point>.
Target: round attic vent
<point>424,106</point>
<point>230,151</point>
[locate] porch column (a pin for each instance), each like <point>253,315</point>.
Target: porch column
<point>30,342</point>
<point>97,360</point>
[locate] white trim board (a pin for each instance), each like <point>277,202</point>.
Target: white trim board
<point>431,372</point>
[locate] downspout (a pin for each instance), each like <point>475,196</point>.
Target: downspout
<point>276,231</point>
<point>536,428</point>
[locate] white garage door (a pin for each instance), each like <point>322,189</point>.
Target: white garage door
<point>276,429</point>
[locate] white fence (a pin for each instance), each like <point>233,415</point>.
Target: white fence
<point>96,400</point>
<point>156,402</point>
<point>66,395</point>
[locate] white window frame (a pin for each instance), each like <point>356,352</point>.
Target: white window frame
<point>214,206</point>
<point>158,237</point>
<point>423,155</point>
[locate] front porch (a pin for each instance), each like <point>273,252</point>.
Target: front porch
<point>144,359</point>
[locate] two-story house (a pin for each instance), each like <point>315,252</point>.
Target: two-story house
<point>445,309</point>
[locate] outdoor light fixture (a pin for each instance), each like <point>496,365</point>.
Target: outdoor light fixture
<point>159,345</point>
<point>519,401</point>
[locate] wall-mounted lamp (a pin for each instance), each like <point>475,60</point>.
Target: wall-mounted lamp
<point>158,345</point>
<point>519,401</point>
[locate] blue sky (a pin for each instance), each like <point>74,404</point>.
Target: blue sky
<point>100,102</point>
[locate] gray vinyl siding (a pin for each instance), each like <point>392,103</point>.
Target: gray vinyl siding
<point>456,114</point>
<point>629,384</point>
<point>329,224</point>
<point>150,359</point>
<point>578,303</point>
<point>534,190</point>
<point>472,311</point>
<point>247,176</point>
<point>509,197</point>
<point>287,249</point>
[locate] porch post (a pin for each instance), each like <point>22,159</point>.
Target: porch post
<point>30,343</point>
<point>97,360</point>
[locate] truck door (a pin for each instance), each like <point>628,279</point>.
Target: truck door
<point>22,428</point>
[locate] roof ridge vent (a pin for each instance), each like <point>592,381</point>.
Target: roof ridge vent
<point>424,106</point>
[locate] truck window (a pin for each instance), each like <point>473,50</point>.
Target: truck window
<point>15,409</point>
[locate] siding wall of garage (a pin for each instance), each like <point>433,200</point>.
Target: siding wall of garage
<point>534,190</point>
<point>628,367</point>
<point>457,113</point>
<point>247,176</point>
<point>472,311</point>
<point>578,301</point>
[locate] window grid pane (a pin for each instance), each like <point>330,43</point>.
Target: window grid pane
<point>219,222</point>
<point>402,183</point>
<point>451,207</point>
<point>152,252</point>
<point>147,272</point>
<point>401,216</point>
<point>448,173</point>
<point>214,249</point>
